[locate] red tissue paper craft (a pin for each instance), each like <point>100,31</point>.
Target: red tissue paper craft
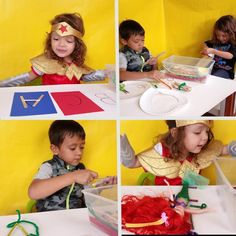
<point>148,215</point>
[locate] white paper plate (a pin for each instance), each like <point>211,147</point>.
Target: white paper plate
<point>157,101</point>
<point>134,88</point>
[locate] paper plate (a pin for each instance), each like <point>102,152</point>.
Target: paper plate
<point>161,101</point>
<point>134,88</point>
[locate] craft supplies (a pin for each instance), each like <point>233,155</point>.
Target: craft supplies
<point>188,68</point>
<point>102,206</point>
<point>167,85</point>
<point>153,215</point>
<point>202,206</point>
<point>144,63</point>
<point>18,224</point>
<point>25,101</point>
<point>193,178</point>
<point>181,86</point>
<point>32,103</point>
<point>130,89</point>
<point>122,88</point>
<point>98,182</point>
<point>163,219</point>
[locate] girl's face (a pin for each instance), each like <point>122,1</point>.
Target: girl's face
<point>135,42</point>
<point>196,136</point>
<point>70,150</point>
<point>222,36</point>
<point>63,46</point>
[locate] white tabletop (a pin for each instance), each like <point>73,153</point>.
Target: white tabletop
<point>214,222</point>
<point>58,223</point>
<point>201,99</point>
<point>98,93</point>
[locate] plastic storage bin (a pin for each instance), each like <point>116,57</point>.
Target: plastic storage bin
<point>188,68</point>
<point>226,178</point>
<point>102,208</point>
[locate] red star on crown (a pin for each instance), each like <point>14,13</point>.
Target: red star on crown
<point>63,28</point>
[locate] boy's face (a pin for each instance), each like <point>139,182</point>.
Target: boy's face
<point>70,150</point>
<point>135,42</point>
<point>196,137</point>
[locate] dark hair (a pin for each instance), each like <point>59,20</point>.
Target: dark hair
<point>59,129</point>
<point>130,27</point>
<point>175,143</point>
<point>226,24</point>
<point>76,22</point>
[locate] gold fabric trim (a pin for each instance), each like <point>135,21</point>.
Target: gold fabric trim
<point>64,29</point>
<point>51,66</point>
<point>180,123</point>
<point>154,163</point>
<point>205,157</point>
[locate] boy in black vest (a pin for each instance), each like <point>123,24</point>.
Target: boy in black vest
<point>64,172</point>
<point>135,61</point>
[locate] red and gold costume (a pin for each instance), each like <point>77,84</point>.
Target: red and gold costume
<point>53,72</point>
<point>165,168</point>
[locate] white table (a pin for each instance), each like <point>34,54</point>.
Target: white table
<point>59,223</point>
<point>214,222</point>
<point>95,92</point>
<point>202,98</point>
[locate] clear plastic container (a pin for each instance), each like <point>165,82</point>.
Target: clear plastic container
<point>188,68</point>
<point>226,178</point>
<point>103,208</point>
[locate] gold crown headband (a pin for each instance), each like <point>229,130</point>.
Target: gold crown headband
<point>180,123</point>
<point>64,29</point>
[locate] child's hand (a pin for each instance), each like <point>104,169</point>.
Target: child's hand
<point>109,180</point>
<point>231,149</point>
<point>84,176</point>
<point>206,51</point>
<point>155,74</point>
<point>151,61</point>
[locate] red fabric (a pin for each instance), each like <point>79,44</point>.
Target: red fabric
<point>52,79</point>
<point>159,180</point>
<point>149,209</point>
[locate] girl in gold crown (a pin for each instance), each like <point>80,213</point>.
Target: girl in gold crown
<point>187,146</point>
<point>63,59</point>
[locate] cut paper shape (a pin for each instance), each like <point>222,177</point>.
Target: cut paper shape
<point>75,102</point>
<point>32,103</point>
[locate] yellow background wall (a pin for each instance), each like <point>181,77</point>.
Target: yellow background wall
<point>178,27</point>
<point>141,135</point>
<point>24,145</point>
<point>150,14</point>
<point>24,25</point>
<point>188,23</point>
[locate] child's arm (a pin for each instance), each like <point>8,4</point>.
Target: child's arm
<point>230,149</point>
<point>207,50</point>
<point>97,75</point>
<point>127,154</point>
<point>152,61</point>
<point>18,79</point>
<point>41,188</point>
<point>133,75</point>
